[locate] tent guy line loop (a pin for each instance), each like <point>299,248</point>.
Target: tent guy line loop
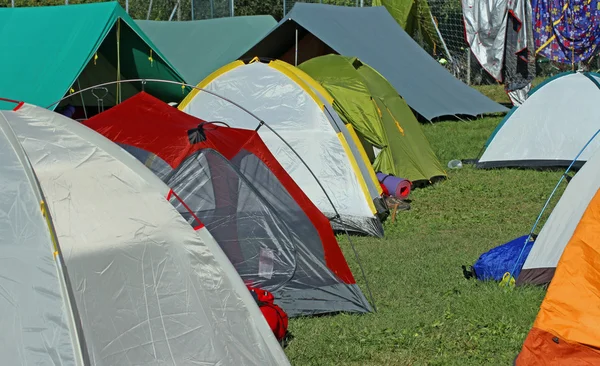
<point>537,221</point>
<point>260,124</point>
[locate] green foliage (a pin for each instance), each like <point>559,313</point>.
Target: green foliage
<point>203,9</point>
<point>429,314</point>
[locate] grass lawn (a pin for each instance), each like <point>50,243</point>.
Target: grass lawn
<point>496,91</point>
<point>428,313</point>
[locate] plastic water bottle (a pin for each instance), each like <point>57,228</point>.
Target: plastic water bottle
<point>455,164</point>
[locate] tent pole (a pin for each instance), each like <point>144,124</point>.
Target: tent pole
<point>284,8</point>
<point>437,30</point>
<point>232,10</point>
<point>173,13</point>
<point>212,9</point>
<point>82,101</point>
<point>192,6</point>
<point>149,10</point>
<point>296,55</point>
<point>127,6</point>
<point>118,61</point>
<point>12,3</point>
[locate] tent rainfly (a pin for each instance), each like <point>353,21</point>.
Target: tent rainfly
<point>226,179</point>
<point>390,133</point>
<point>185,43</point>
<point>108,272</point>
<point>545,131</point>
<point>372,35</point>
<point>58,49</point>
<point>303,119</point>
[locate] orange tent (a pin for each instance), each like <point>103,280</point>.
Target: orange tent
<point>567,328</point>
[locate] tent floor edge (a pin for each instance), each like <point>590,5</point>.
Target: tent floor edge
<point>369,226</point>
<point>325,300</point>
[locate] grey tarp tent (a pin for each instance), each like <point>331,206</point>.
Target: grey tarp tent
<point>197,48</point>
<point>372,35</point>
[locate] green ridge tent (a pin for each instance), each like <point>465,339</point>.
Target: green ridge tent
<point>197,48</point>
<point>390,132</point>
<point>414,16</point>
<point>52,50</point>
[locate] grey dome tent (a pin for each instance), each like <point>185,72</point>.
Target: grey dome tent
<point>373,36</point>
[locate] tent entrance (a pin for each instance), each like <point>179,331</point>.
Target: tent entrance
<point>211,193</point>
<point>122,55</point>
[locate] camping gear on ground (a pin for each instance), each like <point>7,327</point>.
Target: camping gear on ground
<point>387,128</point>
<point>566,330</point>
<point>455,164</point>
<point>275,316</point>
<point>497,262</point>
<point>57,50</point>
<point>98,268</point>
<point>372,35</point>
<point>299,116</point>
<point>545,131</point>
<point>225,179</point>
<point>185,43</point>
<point>398,187</point>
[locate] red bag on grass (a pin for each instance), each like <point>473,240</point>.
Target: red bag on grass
<point>275,316</point>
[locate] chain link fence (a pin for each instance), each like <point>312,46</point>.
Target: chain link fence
<point>453,53</point>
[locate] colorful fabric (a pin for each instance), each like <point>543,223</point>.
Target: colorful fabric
<point>566,31</point>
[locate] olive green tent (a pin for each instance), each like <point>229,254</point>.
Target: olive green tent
<point>50,51</point>
<point>414,16</point>
<point>390,132</point>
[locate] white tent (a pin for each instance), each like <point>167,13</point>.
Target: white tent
<point>298,114</point>
<point>144,287</point>
<point>561,224</point>
<point>551,127</point>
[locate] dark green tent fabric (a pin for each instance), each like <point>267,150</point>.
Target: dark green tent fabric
<point>46,49</point>
<point>197,48</point>
<point>365,99</point>
<point>414,16</point>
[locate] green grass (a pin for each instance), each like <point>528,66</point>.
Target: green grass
<point>429,314</point>
<point>496,91</point>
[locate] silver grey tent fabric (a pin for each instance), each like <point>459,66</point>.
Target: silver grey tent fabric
<point>36,318</point>
<point>371,34</point>
<point>265,234</point>
<point>149,290</point>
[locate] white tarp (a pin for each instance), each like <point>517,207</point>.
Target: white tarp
<point>560,226</point>
<point>298,119</point>
<point>486,26</point>
<point>148,288</point>
<point>550,128</point>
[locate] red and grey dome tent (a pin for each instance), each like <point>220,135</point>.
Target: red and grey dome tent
<point>227,180</point>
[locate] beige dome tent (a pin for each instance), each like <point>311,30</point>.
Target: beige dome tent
<point>130,282</point>
<point>302,117</point>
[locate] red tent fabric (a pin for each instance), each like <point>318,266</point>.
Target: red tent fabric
<point>149,124</point>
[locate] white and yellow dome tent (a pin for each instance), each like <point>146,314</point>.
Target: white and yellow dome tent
<point>105,270</point>
<point>299,110</point>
